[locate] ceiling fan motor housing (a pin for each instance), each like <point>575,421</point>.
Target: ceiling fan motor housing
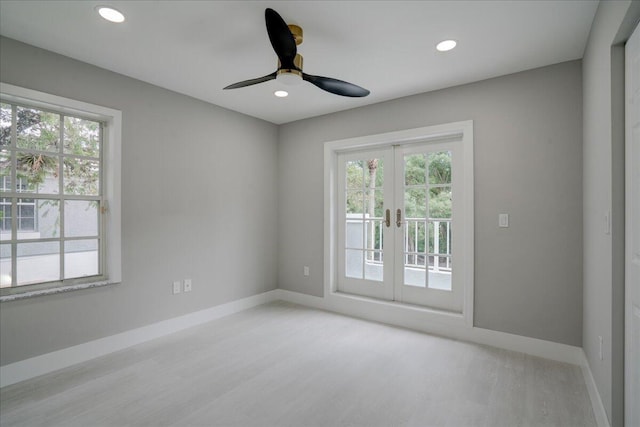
<point>290,76</point>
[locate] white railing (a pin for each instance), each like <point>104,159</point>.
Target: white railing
<point>416,233</point>
<point>441,254</point>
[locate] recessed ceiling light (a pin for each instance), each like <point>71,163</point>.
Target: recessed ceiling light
<point>110,14</point>
<point>281,93</point>
<point>446,45</point>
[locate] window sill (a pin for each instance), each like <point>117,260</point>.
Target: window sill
<point>51,291</point>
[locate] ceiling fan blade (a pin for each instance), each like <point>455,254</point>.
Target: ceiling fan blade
<point>283,42</point>
<point>336,86</point>
<point>251,82</point>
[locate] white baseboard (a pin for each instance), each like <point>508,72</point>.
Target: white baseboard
<point>596,402</point>
<point>425,321</point>
<point>375,311</point>
<point>43,364</point>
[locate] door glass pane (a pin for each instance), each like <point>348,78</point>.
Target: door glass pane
<point>364,218</point>
<point>354,232</point>
<point>440,202</point>
<point>415,203</point>
<point>373,269</point>
<point>353,263</point>
<point>354,174</point>
<point>415,222</point>
<point>81,258</point>
<point>440,167</point>
<point>355,202</point>
<point>414,169</point>
<point>440,272</point>
<point>38,262</point>
<point>374,234</point>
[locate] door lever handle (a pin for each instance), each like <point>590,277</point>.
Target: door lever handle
<point>387,219</point>
<point>399,218</point>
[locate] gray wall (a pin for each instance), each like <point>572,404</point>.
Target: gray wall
<point>198,201</point>
<point>603,151</point>
<point>528,163</point>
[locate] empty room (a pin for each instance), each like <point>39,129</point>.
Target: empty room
<point>320,213</point>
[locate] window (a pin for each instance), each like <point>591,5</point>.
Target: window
<point>64,155</point>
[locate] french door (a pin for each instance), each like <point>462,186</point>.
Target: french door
<point>397,224</point>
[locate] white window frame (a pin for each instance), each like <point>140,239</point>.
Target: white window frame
<point>408,315</point>
<point>111,185</point>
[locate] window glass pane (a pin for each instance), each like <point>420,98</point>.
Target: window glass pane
<point>440,202</point>
<point>355,174</point>
<point>440,167</point>
<point>37,130</point>
<point>47,220</point>
<point>5,125</point>
<point>37,173</point>
<point>81,137</point>
<point>38,262</point>
<point>81,258</point>
<point>415,169</point>
<point>5,266</point>
<point>353,263</point>
<point>5,171</point>
<point>80,218</point>
<point>81,177</point>
<point>5,218</point>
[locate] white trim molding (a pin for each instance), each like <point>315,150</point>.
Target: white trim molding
<point>596,401</point>
<point>49,362</point>
<point>424,320</point>
<point>368,309</point>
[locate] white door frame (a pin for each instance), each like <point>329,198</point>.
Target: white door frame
<point>632,231</point>
<point>463,130</point>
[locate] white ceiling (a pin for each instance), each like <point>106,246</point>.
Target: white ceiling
<point>388,47</point>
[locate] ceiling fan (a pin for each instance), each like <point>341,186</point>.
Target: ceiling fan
<point>284,39</point>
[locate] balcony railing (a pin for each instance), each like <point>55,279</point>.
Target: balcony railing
<point>421,241</point>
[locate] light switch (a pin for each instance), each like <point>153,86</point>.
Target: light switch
<point>503,220</point>
<point>305,270</point>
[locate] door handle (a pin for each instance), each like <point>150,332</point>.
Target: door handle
<point>387,219</point>
<point>399,218</point>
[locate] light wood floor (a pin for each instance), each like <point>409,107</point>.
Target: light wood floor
<point>286,365</point>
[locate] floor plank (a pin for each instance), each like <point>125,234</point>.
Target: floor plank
<point>284,365</point>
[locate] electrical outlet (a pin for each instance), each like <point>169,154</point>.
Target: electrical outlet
<point>187,285</point>
<point>305,270</point>
<point>177,287</point>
